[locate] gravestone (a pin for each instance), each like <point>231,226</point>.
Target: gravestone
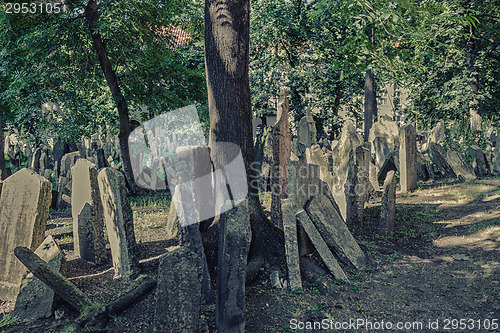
<point>362,182</point>
<point>436,135</point>
<point>306,134</point>
<point>234,243</point>
<point>178,292</point>
<point>291,243</point>
<point>437,155</point>
<point>86,208</point>
<point>321,246</point>
<point>459,164</point>
<point>351,196</point>
<point>373,177</point>
<point>119,222</point>
<point>387,128</point>
<point>267,159</point>
<point>35,160</point>
<point>388,207</point>
<point>334,231</point>
<point>382,151</point>
<point>342,154</point>
<point>68,161</point>
<point>408,158</point>
<point>281,155</point>
<point>59,150</point>
<point>315,155</point>
<point>480,163</point>
<point>35,299</point>
<point>24,210</point>
<point>496,160</point>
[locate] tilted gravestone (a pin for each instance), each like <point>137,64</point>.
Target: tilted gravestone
<point>67,161</point>
<point>178,292</point>
<point>35,299</point>
<point>388,208</point>
<point>334,231</point>
<point>437,135</point>
<point>321,246</point>
<point>480,162</point>
<point>291,244</point>
<point>387,128</point>
<point>306,134</point>
<point>24,210</point>
<point>408,158</point>
<point>459,164</point>
<point>437,155</point>
<point>119,222</point>
<point>234,243</point>
<point>86,208</point>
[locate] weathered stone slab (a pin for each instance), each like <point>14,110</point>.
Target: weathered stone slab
<point>496,160</point>
<point>68,161</point>
<point>291,244</point>
<point>437,155</point>
<point>342,154</point>
<point>388,208</point>
<point>24,210</point>
<point>334,231</point>
<point>281,155</point>
<point>119,222</point>
<point>408,158</point>
<point>86,208</point>
<point>321,246</point>
<point>35,299</point>
<point>234,243</point>
<point>362,182</point>
<point>436,135</point>
<point>304,182</point>
<point>387,128</point>
<point>373,177</point>
<point>178,292</point>
<point>480,162</point>
<point>459,164</point>
<point>381,150</point>
<point>422,171</point>
<point>306,134</point>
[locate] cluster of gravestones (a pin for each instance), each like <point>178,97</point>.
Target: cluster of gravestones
<point>435,162</point>
<point>97,198</point>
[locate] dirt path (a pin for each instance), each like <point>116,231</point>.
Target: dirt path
<point>442,263</point>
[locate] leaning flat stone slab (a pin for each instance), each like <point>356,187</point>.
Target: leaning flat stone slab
<point>335,232</point>
<point>459,164</point>
<point>24,210</point>
<point>178,292</point>
<point>35,299</point>
<point>321,247</point>
<point>291,244</point>
<point>119,222</point>
<point>234,243</point>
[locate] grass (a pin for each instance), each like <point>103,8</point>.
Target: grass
<point>8,320</point>
<point>160,200</point>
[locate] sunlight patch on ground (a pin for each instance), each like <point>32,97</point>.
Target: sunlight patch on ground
<point>491,198</point>
<point>488,240</point>
<point>471,219</point>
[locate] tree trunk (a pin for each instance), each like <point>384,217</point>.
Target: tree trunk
<point>474,105</point>
<point>3,168</point>
<point>112,80</point>
<point>226,61</point>
<point>370,103</point>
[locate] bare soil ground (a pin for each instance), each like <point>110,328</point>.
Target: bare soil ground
<point>441,264</point>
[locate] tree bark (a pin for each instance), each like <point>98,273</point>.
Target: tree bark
<point>474,105</point>
<point>112,80</point>
<point>370,103</point>
<point>3,168</point>
<point>226,61</point>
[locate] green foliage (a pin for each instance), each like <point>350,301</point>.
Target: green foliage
<point>50,58</point>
